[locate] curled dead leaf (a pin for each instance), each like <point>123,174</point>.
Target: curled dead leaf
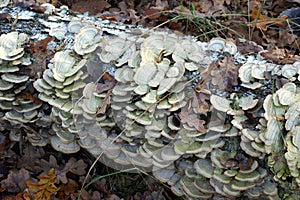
<point>15,181</point>
<point>45,188</point>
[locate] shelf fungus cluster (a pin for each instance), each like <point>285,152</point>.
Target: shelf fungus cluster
<point>141,100</point>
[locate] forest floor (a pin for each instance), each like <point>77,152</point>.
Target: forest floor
<point>271,24</point>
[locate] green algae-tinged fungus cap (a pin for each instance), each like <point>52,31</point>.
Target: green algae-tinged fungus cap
<point>116,49</point>
<point>203,185</point>
<point>12,78</point>
<point>150,97</point>
<point>204,168</point>
<point>158,77</point>
<point>141,161</point>
<point>11,45</point>
<point>176,97</point>
<point>145,73</point>
<point>216,44</point>
<point>58,32</point>
<point>287,94</point>
<point>258,71</point>
<point>247,103</point>
<point>228,190</point>
<point>220,103</point>
<point>5,85</point>
<point>169,154</point>
<point>87,40</point>
<point>191,190</point>
<point>124,74</point>
<point>249,177</point>
<point>4,3</point>
<point>122,159</point>
<point>141,89</point>
<point>165,85</point>
<point>245,72</point>
<point>270,189</point>
<point>67,148</point>
<point>65,65</point>
<point>163,175</point>
<point>177,189</point>
<point>289,71</point>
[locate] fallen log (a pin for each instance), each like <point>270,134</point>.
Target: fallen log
<point>202,117</point>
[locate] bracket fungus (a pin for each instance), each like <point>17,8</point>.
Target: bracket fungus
<point>87,40</point>
<point>150,107</point>
<point>11,45</point>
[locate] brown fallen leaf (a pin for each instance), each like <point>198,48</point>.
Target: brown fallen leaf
<point>6,16</point>
<point>107,82</point>
<point>86,195</point>
<point>45,188</point>
<point>41,54</point>
<point>247,47</point>
<point>279,56</point>
<point>29,155</point>
<point>75,166</point>
<point>92,6</point>
<point>223,73</point>
<point>262,22</point>
<point>45,166</point>
<point>15,181</point>
<point>22,196</point>
<point>40,46</point>
<point>105,104</point>
<point>67,189</point>
<point>101,185</point>
<point>152,13</point>
<point>188,116</point>
<point>29,96</point>
<point>112,197</point>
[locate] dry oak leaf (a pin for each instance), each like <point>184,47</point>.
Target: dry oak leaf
<point>86,195</point>
<point>30,154</point>
<point>67,189</point>
<point>72,166</point>
<point>45,166</point>
<point>75,167</point>
<point>15,181</point>
<point>223,73</point>
<point>262,22</point>
<point>45,188</point>
<point>201,97</point>
<point>41,54</point>
<point>187,116</point>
